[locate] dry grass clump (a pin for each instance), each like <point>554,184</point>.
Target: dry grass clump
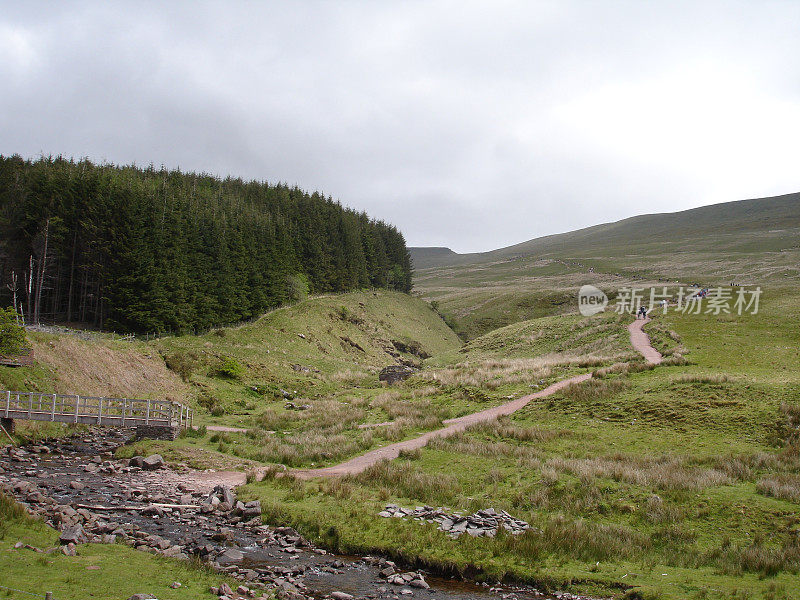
<point>783,486</point>
<point>349,376</point>
<point>399,429</point>
<point>528,456</point>
<point>492,374</point>
<point>301,449</point>
<point>676,360</point>
<point>580,539</point>
<point>504,429</point>
<point>404,480</point>
<point>407,414</point>
<point>594,389</point>
<point>658,512</point>
<point>701,378</point>
<point>758,557</point>
<point>330,416</point>
<point>668,473</point>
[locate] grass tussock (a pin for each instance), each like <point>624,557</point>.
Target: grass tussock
<point>526,456</point>
<point>503,428</point>
<point>594,389</point>
<point>766,559</point>
<point>667,473</point>
<point>577,538</point>
<point>491,374</point>
<point>11,512</point>
<point>783,485</point>
<point>404,480</point>
<point>702,378</point>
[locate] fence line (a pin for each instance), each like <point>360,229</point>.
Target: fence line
<point>94,410</point>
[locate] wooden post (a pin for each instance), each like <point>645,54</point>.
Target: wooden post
<point>147,414</point>
<point>77,406</point>
<point>100,411</point>
<point>30,404</point>
<point>8,402</point>
<point>53,412</point>
<point>124,406</point>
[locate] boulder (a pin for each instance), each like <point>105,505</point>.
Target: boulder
<point>231,555</point>
<point>224,590</point>
<point>151,463</point>
<point>73,535</point>
<point>142,597</point>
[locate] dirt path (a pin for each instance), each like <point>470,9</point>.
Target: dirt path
<point>641,342</point>
<point>392,451</point>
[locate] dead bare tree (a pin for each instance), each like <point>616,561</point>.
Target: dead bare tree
<point>12,287</point>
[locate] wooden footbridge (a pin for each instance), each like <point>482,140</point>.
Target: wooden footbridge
<point>152,418</point>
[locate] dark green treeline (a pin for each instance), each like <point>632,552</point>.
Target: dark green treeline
<point>154,250</point>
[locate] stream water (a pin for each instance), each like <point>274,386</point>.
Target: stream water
<point>320,573</point>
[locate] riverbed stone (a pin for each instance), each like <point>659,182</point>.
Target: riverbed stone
<point>153,462</point>
<point>73,535</point>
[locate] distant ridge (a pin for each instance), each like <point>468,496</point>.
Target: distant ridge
<point>424,257</point>
<point>754,225</point>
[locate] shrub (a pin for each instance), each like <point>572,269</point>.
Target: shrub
<point>182,363</point>
<point>200,432</point>
<point>231,369</point>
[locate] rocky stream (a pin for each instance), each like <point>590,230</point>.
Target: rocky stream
<point>77,487</point>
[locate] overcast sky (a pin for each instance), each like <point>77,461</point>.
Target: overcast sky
<point>473,125</point>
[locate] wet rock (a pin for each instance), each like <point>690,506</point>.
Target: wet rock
<point>341,596</point>
<point>142,597</point>
<point>231,555</point>
<point>224,589</point>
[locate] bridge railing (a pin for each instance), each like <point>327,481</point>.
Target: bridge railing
<point>73,408</point>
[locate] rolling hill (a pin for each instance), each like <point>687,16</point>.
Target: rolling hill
<point>747,242</point>
<point>761,224</point>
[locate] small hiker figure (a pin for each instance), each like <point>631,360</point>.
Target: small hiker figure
<point>642,312</point>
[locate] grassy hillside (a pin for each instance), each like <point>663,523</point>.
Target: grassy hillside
<point>760,224</point>
<point>750,242</point>
<point>344,409</point>
<point>675,482</point>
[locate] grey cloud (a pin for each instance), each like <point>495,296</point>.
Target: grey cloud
<point>473,125</point>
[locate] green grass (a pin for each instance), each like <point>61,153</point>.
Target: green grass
<point>98,571</point>
<point>674,482</point>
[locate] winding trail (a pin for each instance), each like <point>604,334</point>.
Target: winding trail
<point>639,340</point>
<point>392,451</point>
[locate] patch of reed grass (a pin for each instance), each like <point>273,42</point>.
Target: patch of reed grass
<point>782,485</point>
<point>404,479</point>
<point>668,473</point>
